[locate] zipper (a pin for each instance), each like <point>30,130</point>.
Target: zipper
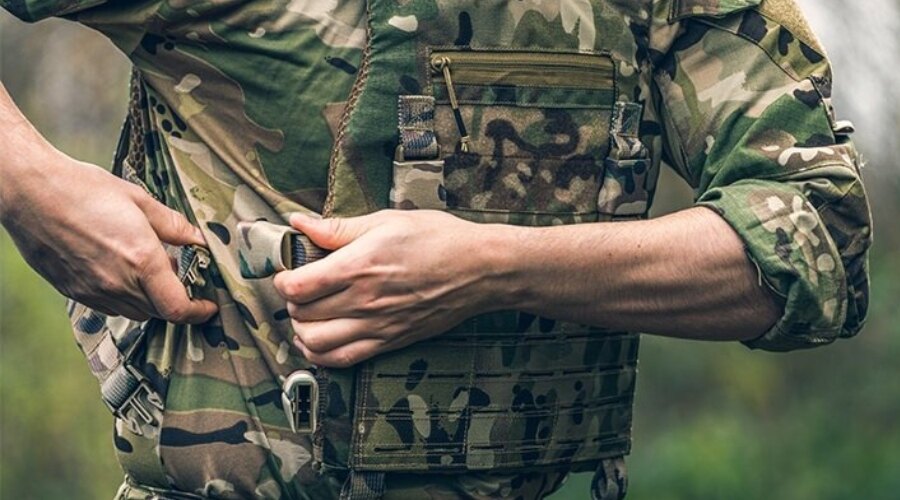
<point>442,63</point>
<point>522,69</point>
<point>531,69</point>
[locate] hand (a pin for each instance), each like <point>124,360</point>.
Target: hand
<point>394,278</point>
<point>97,239</point>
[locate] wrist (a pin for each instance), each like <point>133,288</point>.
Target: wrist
<point>500,250</point>
<point>26,173</point>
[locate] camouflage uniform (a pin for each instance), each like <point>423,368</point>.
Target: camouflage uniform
<point>569,108</point>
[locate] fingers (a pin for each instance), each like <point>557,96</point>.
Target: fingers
<point>344,356</point>
<point>337,305</point>
<point>124,306</point>
<point>168,296</point>
<point>311,282</point>
<point>169,225</point>
<point>333,233</point>
<point>323,336</point>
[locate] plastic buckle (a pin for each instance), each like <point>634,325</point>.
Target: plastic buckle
<point>137,407</point>
<point>300,399</point>
<point>194,259</point>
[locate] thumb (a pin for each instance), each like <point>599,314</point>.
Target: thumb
<point>170,226</point>
<point>331,233</point>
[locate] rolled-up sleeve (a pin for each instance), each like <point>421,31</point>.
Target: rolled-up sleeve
<point>745,101</point>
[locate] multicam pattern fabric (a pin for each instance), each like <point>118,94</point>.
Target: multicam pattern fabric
<point>244,101</point>
<point>418,173</point>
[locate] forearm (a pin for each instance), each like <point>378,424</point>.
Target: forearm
<point>683,275</point>
<point>23,147</point>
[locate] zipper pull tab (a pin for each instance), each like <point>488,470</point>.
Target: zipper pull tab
<point>442,64</point>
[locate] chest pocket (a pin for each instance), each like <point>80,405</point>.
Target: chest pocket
<point>523,135</point>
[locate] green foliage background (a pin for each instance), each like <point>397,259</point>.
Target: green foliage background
<point>712,420</point>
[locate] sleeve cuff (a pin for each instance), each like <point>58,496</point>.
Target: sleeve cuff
<point>796,257</point>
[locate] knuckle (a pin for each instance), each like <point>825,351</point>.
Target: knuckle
<point>175,312</point>
<point>343,359</point>
<point>312,342</point>
<point>287,285</point>
<point>315,344</point>
<point>178,221</point>
<point>337,228</point>
<point>133,190</point>
<point>280,281</point>
<point>109,284</point>
<point>369,305</point>
<point>291,289</point>
<point>293,311</point>
<point>142,259</point>
<point>369,300</point>
<point>301,332</point>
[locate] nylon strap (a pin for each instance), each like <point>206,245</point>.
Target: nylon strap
<point>610,480</point>
<point>418,171</point>
<point>265,249</point>
<point>415,123</point>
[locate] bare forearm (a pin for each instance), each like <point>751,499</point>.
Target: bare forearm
<point>683,275</point>
<point>23,147</point>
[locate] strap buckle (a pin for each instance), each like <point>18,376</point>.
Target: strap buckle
<point>300,400</point>
<point>130,397</point>
<point>193,260</point>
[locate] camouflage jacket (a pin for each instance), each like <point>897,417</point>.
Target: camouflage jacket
<point>253,109</point>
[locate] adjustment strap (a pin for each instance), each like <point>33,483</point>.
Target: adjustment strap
<point>610,480</point>
<point>111,343</point>
<point>418,171</point>
<point>265,249</point>
<point>415,123</point>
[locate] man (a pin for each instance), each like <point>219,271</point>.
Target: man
<point>475,349</point>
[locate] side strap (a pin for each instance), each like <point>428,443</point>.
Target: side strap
<point>111,344</point>
<point>610,480</point>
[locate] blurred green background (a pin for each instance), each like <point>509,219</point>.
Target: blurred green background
<point>713,420</point>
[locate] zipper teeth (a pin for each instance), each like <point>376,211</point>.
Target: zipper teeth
<point>355,92</point>
<point>571,62</point>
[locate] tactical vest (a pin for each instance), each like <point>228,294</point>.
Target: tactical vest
<point>494,113</point>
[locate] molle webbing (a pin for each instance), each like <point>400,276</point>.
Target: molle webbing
<point>470,400</point>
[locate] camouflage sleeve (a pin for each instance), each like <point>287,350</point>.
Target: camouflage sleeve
<point>34,10</point>
<point>744,96</point>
